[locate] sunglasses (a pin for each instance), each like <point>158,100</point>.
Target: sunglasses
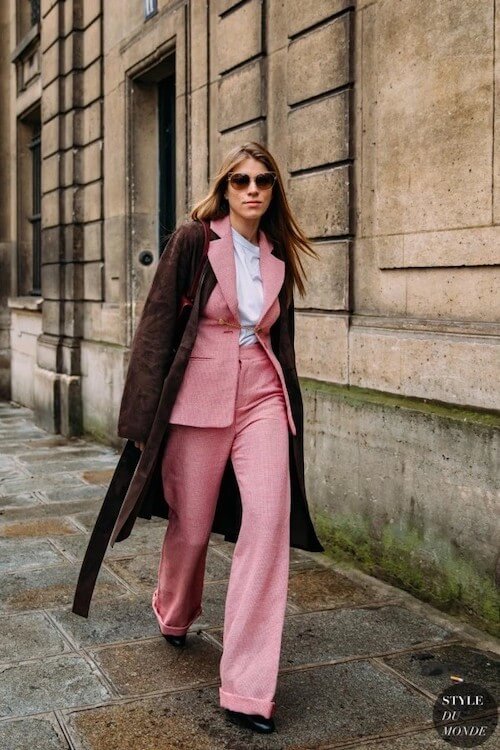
<point>240,181</point>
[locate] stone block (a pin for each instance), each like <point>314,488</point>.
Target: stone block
<point>56,682</point>
<point>32,553</point>
<point>319,588</point>
<point>254,132</point>
<point>88,163</point>
<point>69,91</point>
<point>88,202</point>
<point>198,666</point>
<point>328,277</point>
<point>28,636</point>
<point>51,215</point>
<point>88,124</point>
<point>50,64</point>
<point>471,246</point>
<point>51,586</point>
<point>91,9</point>
<point>46,393</point>
<point>68,168</point>
<point>51,101</point>
<point>321,200</point>
<point>50,28</point>
<point>68,130</point>
<point>44,733</point>
<point>234,108</point>
<point>479,667</point>
<point>68,205</point>
<point>301,15</point>
<point>355,631</point>
<point>51,281</point>
<point>92,241</point>
<point>50,137</point>
<point>92,42</point>
<point>305,148</point>
<point>73,280</point>
<point>426,365</point>
<point>71,56</point>
<point>88,84</point>
<point>229,28</point>
<point>425,128</point>
<point>92,280</point>
<point>319,61</point>
<point>321,343</point>
<point>50,173</point>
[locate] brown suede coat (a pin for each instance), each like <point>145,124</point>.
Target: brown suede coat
<point>153,379</point>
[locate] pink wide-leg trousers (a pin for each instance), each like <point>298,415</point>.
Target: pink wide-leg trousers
<point>192,469</point>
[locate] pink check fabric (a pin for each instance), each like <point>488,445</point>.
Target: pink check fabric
<point>192,468</point>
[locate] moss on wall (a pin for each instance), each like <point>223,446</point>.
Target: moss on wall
<point>425,566</point>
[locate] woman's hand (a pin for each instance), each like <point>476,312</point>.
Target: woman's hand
<point>139,445</point>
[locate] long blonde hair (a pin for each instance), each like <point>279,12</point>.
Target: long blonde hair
<point>278,222</point>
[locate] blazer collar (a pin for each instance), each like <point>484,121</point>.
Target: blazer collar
<point>221,258</point>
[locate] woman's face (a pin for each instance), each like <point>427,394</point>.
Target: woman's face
<point>251,202</point>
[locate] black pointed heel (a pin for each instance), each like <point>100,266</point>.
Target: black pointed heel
<point>176,640</point>
<point>251,721</point>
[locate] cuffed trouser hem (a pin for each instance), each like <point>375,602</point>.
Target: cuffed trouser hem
<point>168,629</point>
<point>246,705</point>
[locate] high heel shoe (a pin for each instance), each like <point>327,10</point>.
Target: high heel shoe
<point>251,721</point>
<point>175,640</point>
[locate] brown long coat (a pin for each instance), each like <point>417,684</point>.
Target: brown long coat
<point>153,379</point>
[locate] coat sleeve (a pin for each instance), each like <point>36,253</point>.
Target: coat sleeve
<point>151,352</point>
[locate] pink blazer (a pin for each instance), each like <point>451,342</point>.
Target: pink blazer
<point>207,395</point>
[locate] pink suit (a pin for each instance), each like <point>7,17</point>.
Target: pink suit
<point>237,395</point>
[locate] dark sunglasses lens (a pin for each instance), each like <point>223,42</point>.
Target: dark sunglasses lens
<point>264,181</point>
<point>239,180</point>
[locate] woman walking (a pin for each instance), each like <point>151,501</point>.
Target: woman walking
<point>216,425</point>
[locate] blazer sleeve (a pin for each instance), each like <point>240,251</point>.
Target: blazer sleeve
<point>151,353</point>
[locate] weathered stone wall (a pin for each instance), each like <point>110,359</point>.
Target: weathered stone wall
<point>410,491</point>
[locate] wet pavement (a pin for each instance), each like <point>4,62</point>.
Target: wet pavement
<point>362,663</point>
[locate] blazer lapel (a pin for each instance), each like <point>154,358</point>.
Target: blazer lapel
<point>221,258</point>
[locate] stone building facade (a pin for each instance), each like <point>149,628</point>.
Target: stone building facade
<point>381,114</point>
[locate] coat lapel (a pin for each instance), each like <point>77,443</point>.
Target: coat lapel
<point>221,258</point>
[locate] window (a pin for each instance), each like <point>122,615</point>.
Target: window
<point>36,215</point>
<point>150,8</point>
<point>35,12</point>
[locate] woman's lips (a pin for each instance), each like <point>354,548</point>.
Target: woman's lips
<point>252,203</point>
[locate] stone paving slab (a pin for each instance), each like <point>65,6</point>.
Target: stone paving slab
<point>20,500</point>
<point>44,527</point>
<point>141,571</point>
<point>55,682</point>
<point>34,733</point>
<point>29,636</point>
<point>155,666</point>
<point>110,620</point>
<point>33,553</point>
<point>317,637</point>
<point>50,587</point>
<point>320,588</point>
<point>431,669</point>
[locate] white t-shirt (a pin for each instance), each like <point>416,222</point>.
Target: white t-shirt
<point>249,287</point>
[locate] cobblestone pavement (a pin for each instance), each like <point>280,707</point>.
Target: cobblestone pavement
<point>361,666</point>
